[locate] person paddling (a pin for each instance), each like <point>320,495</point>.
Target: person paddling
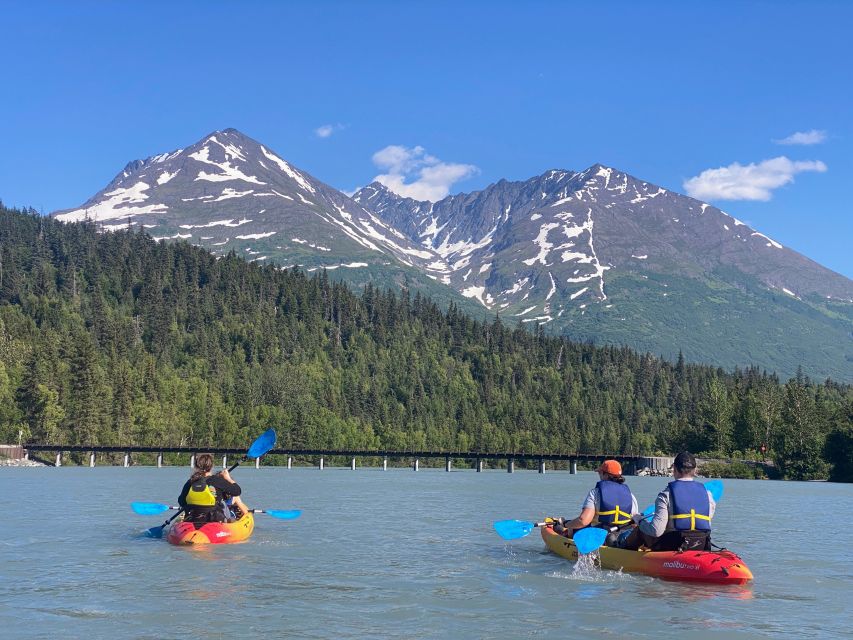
<point>609,503</point>
<point>683,512</point>
<point>203,496</point>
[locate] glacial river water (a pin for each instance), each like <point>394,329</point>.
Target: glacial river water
<point>399,554</point>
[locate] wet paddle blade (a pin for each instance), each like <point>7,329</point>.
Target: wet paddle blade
<point>589,539</point>
<point>149,508</point>
<point>155,532</point>
<point>715,487</point>
<point>284,515</point>
<point>513,529</point>
<point>264,443</point>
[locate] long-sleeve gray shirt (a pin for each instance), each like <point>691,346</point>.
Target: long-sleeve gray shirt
<point>661,523</point>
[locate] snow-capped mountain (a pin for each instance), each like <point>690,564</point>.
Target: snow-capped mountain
<point>604,256</point>
<point>543,246</point>
<point>596,254</point>
<point>229,192</point>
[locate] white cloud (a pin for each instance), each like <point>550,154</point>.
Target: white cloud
<point>749,182</point>
<point>327,130</point>
<point>814,136</point>
<point>412,173</point>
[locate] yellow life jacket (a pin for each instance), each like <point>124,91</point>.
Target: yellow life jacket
<point>201,494</point>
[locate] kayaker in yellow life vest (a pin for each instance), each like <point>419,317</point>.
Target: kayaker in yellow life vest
<point>609,503</point>
<point>683,512</point>
<point>204,494</point>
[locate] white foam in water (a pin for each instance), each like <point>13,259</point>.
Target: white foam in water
<point>587,569</point>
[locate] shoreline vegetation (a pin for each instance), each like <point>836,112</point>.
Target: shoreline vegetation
<point>115,339</point>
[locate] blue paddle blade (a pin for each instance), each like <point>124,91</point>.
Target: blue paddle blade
<point>513,529</point>
<point>155,532</point>
<point>284,515</point>
<point>264,443</point>
<point>148,508</point>
<point>715,487</point>
<point>589,539</point>
<point>649,511</point>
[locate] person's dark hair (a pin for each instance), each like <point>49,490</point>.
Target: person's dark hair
<point>203,464</point>
<point>684,461</point>
<point>617,479</point>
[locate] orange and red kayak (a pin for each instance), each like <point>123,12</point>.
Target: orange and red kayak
<point>720,567</point>
<point>212,532</point>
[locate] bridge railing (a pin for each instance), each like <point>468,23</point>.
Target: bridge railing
<point>631,462</point>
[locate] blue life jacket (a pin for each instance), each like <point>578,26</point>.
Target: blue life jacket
<point>690,508</point>
<point>615,504</point>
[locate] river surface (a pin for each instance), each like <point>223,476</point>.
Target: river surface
<point>399,554</point>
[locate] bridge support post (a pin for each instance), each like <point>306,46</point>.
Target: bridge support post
<point>510,465</point>
<point>159,460</point>
<point>58,459</point>
<point>573,466</point>
<point>290,462</point>
<point>192,461</point>
<point>352,464</point>
<point>541,466</point>
<point>385,463</point>
<point>321,463</point>
<point>257,463</point>
<point>126,460</point>
<point>415,467</point>
<point>225,461</point>
<point>448,464</point>
<point>479,465</point>
<point>92,459</point>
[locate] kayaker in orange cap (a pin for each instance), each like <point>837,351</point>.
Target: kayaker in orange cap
<point>609,503</point>
<point>683,512</point>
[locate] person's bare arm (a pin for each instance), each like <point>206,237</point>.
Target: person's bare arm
<point>583,520</point>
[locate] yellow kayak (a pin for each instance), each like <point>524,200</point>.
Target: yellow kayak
<point>722,567</point>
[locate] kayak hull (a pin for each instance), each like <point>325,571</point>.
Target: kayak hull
<point>185,533</point>
<point>719,567</point>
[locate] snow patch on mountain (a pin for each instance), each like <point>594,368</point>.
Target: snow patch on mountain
<point>228,172</point>
<point>118,204</point>
<point>166,176</point>
<point>290,171</point>
<point>256,236</point>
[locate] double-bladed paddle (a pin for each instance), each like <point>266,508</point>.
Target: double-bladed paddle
<point>155,508</point>
<point>259,447</point>
<point>589,539</point>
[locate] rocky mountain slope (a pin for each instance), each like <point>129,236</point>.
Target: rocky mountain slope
<point>602,255</point>
<point>228,192</point>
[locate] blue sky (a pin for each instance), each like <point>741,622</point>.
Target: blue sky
<point>449,97</point>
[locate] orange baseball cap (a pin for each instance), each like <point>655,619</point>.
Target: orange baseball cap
<point>612,467</point>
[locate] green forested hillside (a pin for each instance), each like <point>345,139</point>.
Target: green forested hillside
<point>116,339</point>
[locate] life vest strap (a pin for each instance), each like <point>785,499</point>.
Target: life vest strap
<point>616,513</point>
<point>693,518</point>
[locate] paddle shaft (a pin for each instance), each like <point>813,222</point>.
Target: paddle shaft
<point>268,511</point>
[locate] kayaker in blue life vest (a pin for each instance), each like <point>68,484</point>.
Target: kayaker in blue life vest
<point>683,512</point>
<point>609,503</point>
<point>204,494</point>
